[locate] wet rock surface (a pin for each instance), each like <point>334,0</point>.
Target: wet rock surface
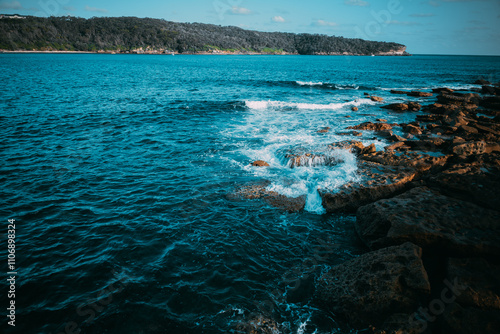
<point>371,288</point>
<point>432,221</point>
<point>434,189</point>
<point>259,191</point>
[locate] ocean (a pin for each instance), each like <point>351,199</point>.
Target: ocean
<point>119,170</point>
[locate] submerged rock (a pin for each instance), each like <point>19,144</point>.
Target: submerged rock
<point>310,160</point>
<point>324,130</point>
<point>260,163</point>
<point>377,181</point>
<point>258,325</point>
<point>432,221</point>
<point>291,204</point>
<point>376,98</point>
<point>371,288</point>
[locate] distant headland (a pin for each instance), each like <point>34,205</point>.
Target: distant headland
<point>155,36</point>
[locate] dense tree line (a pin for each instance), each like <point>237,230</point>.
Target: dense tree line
<point>130,33</point>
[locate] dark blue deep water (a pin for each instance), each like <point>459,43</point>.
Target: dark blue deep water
<point>118,171</point>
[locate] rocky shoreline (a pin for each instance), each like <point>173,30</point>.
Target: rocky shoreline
<point>427,207</point>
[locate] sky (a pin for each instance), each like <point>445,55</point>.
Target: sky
<point>469,27</point>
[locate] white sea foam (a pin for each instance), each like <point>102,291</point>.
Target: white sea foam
<point>309,83</point>
<point>263,105</point>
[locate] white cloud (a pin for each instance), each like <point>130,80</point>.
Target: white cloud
<point>11,5</point>
<point>240,11</point>
<point>360,3</point>
<point>323,23</point>
<point>94,9</point>
<point>278,19</point>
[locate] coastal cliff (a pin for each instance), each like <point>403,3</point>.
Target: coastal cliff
<point>154,36</point>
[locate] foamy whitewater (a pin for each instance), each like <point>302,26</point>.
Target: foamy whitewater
<point>120,171</point>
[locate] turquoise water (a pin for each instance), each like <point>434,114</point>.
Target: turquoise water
<point>117,169</point>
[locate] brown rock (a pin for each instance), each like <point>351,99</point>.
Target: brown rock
<point>324,130</point>
<point>400,92</point>
<point>417,161</point>
<point>260,163</point>
<point>381,120</point>
<point>376,98</point>
<point>414,106</point>
<point>458,98</point>
<point>394,146</point>
<point>354,108</point>
<point>377,181</point>
<point>469,320</point>
<point>491,102</point>
<point>482,82</point>
<point>479,147</point>
<point>432,221</point>
<point>442,90</point>
<point>419,94</point>
<point>480,281</point>
<point>371,288</point>
<point>368,149</point>
<point>371,126</point>
<point>271,197</point>
<point>477,182</point>
<point>351,145</point>
<point>412,129</point>
<point>429,118</point>
<point>396,107</point>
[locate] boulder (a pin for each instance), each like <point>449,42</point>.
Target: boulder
<point>400,92</point>
<point>352,145</point>
<point>442,90</point>
<point>354,108</point>
<point>376,181</point>
<point>372,287</point>
<point>419,94</point>
<point>440,109</point>
<point>371,126</point>
<point>260,163</point>
<point>259,191</point>
<point>368,149</point>
<point>478,147</point>
<point>458,98</point>
<point>412,129</point>
<point>433,221</point>
<point>324,130</point>
<point>396,106</point>
<point>418,161</point>
<point>376,98</point>
<point>469,320</point>
<point>414,106</point>
<point>491,102</point>
<point>477,182</point>
<point>482,82</point>
<point>479,279</point>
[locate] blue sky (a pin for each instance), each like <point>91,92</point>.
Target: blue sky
<point>426,27</point>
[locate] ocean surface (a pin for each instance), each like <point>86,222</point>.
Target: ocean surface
<point>118,170</point>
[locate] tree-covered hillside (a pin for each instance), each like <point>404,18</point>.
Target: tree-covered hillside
<point>132,33</point>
